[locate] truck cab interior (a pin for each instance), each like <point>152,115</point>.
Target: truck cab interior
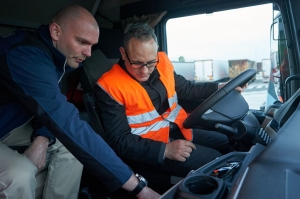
<point>265,163</point>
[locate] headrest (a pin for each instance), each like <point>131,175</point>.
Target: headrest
<point>110,40</point>
<point>104,55</point>
<point>96,65</point>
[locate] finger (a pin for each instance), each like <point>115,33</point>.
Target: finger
<point>188,149</point>
<point>239,89</point>
<point>190,144</point>
<point>181,159</point>
<point>186,154</point>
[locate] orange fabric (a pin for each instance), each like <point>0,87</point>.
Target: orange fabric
<point>187,133</point>
<point>162,136</point>
<point>136,101</point>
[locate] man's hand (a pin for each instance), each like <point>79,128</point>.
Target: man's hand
<point>241,89</point>
<point>37,152</point>
<point>148,193</point>
<point>179,150</point>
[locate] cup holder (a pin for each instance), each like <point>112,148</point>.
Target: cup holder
<point>201,187</point>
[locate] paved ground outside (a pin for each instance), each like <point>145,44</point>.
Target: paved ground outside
<point>256,93</point>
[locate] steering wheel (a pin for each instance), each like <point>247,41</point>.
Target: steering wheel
<point>193,119</point>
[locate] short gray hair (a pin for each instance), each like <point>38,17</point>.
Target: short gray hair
<point>140,31</point>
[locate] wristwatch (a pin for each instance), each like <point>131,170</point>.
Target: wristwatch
<point>142,183</point>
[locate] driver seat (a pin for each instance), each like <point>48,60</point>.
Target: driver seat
<point>101,61</point>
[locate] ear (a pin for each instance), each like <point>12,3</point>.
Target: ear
<point>122,51</point>
<point>55,31</point>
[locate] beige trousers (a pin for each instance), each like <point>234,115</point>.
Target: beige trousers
<point>18,175</point>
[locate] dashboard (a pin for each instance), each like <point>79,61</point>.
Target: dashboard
<point>271,171</point>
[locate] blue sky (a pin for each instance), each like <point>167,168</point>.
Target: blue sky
<point>235,34</point>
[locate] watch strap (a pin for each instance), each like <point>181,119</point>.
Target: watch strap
<point>142,183</point>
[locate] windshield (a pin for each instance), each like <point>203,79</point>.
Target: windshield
<point>220,45</point>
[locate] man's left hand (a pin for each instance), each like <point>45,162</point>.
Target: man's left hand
<point>241,89</point>
<point>37,151</point>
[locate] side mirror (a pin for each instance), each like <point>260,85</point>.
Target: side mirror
<point>274,29</point>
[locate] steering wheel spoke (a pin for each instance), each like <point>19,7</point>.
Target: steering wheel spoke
<point>200,114</point>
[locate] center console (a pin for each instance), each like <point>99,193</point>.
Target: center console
<point>215,179</point>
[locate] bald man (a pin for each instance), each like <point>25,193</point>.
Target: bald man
<point>34,113</point>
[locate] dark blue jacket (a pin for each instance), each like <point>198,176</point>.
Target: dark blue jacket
<point>30,71</point>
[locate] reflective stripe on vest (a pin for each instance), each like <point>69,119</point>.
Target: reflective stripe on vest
<point>145,117</point>
<point>142,116</point>
<point>157,125</point>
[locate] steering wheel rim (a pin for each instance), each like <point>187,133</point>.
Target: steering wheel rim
<point>240,80</point>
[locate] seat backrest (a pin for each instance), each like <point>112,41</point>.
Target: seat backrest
<point>105,54</point>
<point>82,80</point>
<point>94,67</point>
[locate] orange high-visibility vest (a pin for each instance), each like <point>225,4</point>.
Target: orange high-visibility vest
<point>142,116</point>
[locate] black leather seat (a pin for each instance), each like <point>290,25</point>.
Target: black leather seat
<point>103,57</point>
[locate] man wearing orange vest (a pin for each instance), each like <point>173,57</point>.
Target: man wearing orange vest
<point>141,117</point>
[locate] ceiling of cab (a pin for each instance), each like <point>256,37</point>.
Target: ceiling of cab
<point>32,13</point>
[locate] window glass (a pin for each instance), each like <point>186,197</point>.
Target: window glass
<point>220,45</point>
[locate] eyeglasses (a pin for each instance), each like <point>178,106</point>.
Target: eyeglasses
<point>139,65</point>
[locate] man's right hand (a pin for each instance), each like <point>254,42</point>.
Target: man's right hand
<point>37,151</point>
<point>179,150</point>
<point>148,193</point>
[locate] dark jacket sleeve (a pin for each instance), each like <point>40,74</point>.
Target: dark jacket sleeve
<point>43,131</point>
<point>31,78</point>
<point>189,90</point>
<point>192,94</point>
<point>118,134</point>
